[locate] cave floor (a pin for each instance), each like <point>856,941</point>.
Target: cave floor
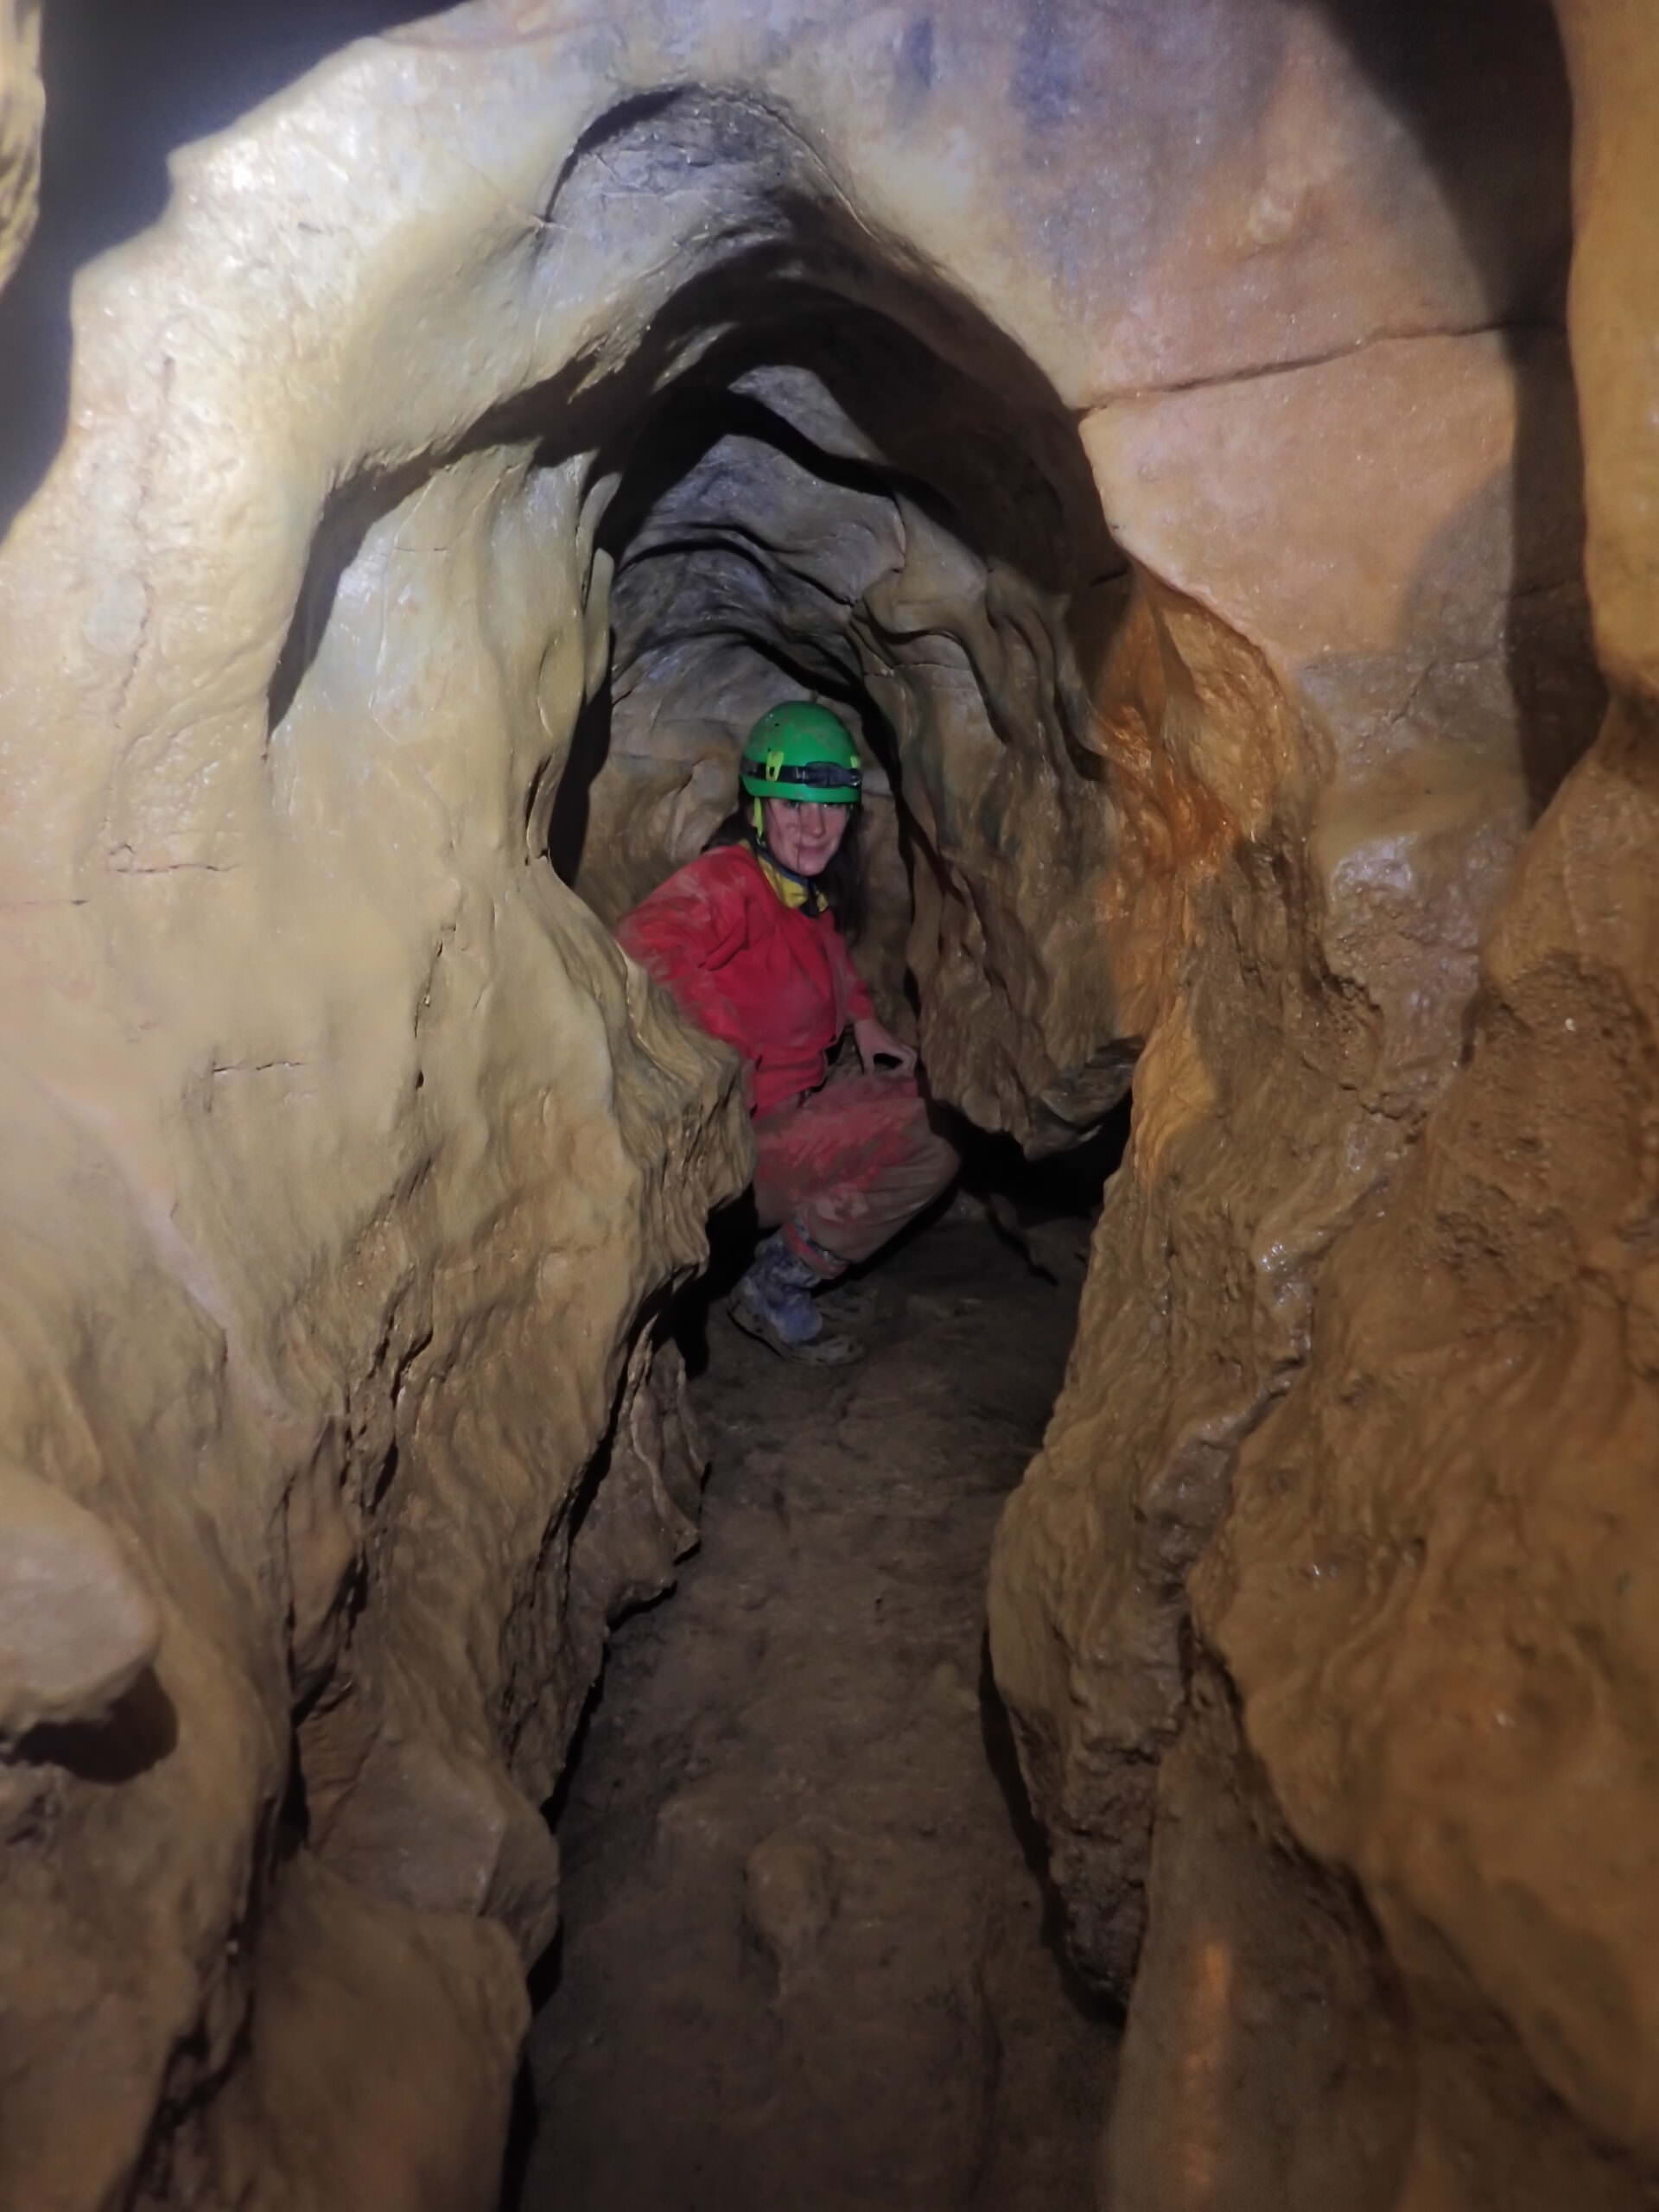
<point>805,1960</point>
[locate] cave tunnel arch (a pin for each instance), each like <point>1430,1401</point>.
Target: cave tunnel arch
<point>824,504</point>
<point>865,397</point>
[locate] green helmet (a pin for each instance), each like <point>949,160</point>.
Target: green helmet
<point>801,751</point>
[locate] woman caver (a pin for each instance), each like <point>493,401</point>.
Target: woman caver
<point>748,937</point>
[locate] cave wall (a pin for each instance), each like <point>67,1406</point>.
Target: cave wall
<point>858,515</point>
<point>349,1165</point>
<point>353,1160</point>
<point>1427,1591</point>
<point>1399,1948</point>
<point>22,101</point>
<point>1353,664</point>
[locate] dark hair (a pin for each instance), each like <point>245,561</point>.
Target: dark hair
<point>841,884</point>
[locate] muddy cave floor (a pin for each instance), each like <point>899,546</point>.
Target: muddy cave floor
<point>807,1958</point>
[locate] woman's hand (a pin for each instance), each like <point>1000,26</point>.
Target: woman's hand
<point>873,1038</point>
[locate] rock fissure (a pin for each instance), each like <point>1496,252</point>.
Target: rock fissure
<point>1525,326</point>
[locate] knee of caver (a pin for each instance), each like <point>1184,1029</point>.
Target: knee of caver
<point>944,1156</point>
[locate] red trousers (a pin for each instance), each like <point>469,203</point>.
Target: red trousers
<point>848,1164</point>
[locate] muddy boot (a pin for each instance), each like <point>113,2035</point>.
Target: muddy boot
<point>773,1302</point>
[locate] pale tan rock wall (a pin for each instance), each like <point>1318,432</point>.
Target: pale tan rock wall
<point>21,106</point>
<point>347,1159</point>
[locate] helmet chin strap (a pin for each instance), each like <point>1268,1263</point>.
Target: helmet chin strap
<point>808,884</point>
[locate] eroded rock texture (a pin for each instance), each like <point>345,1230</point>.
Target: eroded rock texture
<point>348,1163</point>
<point>1155,425</point>
<point>1353,664</point>
<point>1428,1590</point>
<point>859,517</point>
<point>21,104</point>
<point>1414,1487</point>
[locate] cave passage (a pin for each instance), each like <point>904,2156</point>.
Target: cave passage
<point>824,505</point>
<point>807,1954</point>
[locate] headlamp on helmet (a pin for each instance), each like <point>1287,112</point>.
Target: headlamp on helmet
<point>800,750</point>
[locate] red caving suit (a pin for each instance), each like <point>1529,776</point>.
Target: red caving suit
<point>847,1161</point>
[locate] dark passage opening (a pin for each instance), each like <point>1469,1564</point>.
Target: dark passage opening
<point>824,506</point>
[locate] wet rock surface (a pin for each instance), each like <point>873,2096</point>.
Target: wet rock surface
<point>804,1957</point>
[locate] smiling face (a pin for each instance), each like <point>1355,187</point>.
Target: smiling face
<point>804,834</point>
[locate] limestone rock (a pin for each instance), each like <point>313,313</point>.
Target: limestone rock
<point>76,1628</point>
<point>1324,756</point>
<point>1614,63</point>
<point>1406,1554</point>
<point>441,1998</point>
<point>1428,1585</point>
<point>22,106</point>
<point>1268,2058</point>
<point>346,1156</point>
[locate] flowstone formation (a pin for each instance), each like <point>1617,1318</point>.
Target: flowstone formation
<point>1155,426</point>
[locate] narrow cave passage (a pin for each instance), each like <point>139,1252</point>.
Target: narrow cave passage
<point>825,505</point>
<point>806,1953</point>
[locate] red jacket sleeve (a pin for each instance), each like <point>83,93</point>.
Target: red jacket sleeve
<point>684,929</point>
<point>852,994</point>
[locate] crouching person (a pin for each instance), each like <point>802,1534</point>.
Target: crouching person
<point>751,938</point>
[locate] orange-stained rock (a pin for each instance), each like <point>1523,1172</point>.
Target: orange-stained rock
<point>1268,2059</point>
<point>1428,1587</point>
<point>1424,1562</point>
